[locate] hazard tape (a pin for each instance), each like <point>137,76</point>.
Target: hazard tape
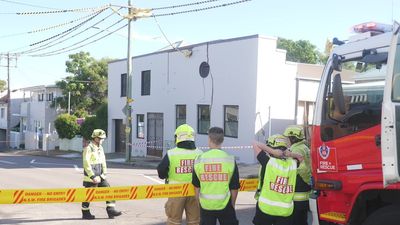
<point>67,195</point>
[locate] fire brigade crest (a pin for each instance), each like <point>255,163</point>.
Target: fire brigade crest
<point>324,151</point>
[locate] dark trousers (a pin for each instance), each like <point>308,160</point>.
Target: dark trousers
<point>300,212</point>
<point>226,216</point>
<point>264,219</point>
<point>103,183</point>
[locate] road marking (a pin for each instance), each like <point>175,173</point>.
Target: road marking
<point>33,161</point>
<point>44,169</point>
<point>7,162</point>
<point>150,178</point>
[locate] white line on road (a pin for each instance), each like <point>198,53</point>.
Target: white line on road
<point>150,178</point>
<point>40,168</point>
<point>7,162</point>
<point>33,161</point>
<point>77,168</point>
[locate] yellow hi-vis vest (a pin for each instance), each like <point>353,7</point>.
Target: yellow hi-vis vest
<point>181,163</point>
<point>276,198</point>
<point>214,169</point>
<point>94,162</point>
<point>304,169</point>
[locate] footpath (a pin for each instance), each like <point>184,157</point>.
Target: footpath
<point>149,162</point>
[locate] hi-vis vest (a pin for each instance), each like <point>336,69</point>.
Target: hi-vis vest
<point>304,169</point>
<point>181,163</point>
<point>94,162</point>
<point>214,169</point>
<point>276,198</point>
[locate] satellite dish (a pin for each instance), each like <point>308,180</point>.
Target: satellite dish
<point>204,69</point>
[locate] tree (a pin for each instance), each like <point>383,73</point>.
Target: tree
<point>3,85</point>
<point>66,126</point>
<point>87,84</point>
<point>301,51</point>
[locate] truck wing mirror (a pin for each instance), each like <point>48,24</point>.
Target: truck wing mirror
<point>337,62</point>
<point>337,92</point>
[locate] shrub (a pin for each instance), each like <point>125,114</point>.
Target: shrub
<point>66,126</point>
<point>102,117</point>
<point>88,126</point>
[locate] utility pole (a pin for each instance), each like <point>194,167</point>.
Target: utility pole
<point>8,57</point>
<point>134,13</point>
<point>128,123</point>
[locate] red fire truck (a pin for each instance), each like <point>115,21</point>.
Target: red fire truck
<point>355,135</point>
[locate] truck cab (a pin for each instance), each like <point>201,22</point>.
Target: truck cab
<point>354,134</point>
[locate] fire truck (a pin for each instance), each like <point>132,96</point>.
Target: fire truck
<point>355,136</point>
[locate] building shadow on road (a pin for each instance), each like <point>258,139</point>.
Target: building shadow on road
<point>245,216</point>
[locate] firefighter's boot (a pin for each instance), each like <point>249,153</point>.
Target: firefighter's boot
<point>86,215</point>
<point>112,212</point>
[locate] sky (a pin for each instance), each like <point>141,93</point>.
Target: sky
<point>313,20</point>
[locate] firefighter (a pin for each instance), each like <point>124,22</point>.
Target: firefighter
<point>95,170</point>
<point>176,167</point>
<point>296,137</point>
<point>276,183</point>
<point>216,182</point>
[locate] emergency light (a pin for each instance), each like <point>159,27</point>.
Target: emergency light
<point>372,27</point>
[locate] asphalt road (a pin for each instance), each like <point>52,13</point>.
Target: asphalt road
<point>26,172</point>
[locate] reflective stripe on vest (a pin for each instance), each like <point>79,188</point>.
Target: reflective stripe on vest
<point>276,198</point>
<point>301,196</point>
<point>214,170</point>
<point>275,203</point>
<point>181,165</point>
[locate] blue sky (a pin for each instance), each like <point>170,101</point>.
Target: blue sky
<point>312,20</point>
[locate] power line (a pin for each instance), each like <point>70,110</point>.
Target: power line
<point>48,28</point>
<point>202,9</point>
<point>47,45</point>
<point>184,5</point>
<point>65,49</point>
<point>26,4</point>
<point>79,10</point>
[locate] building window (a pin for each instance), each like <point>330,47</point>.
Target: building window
<point>180,115</point>
<point>203,119</point>
<point>40,97</point>
<point>50,97</point>
<point>231,120</point>
<point>124,80</point>
<point>140,126</point>
<point>2,112</point>
<point>146,82</point>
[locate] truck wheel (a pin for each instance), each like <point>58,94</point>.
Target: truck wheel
<point>388,215</point>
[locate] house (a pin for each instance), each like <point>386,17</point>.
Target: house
<point>250,91</point>
<point>37,117</point>
<point>15,104</point>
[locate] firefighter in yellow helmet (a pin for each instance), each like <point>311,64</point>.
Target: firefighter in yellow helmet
<point>277,182</point>
<point>95,170</point>
<point>295,134</point>
<point>176,167</point>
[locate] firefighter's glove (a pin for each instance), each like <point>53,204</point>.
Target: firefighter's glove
<point>96,179</point>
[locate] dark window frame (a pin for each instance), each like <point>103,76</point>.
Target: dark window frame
<point>225,121</point>
<point>177,114</point>
<point>198,118</point>
<point>146,88</point>
<point>124,80</point>
<point>138,126</point>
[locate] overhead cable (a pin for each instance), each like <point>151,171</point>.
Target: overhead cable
<point>60,11</point>
<point>184,5</point>
<point>26,4</point>
<point>202,9</point>
<point>61,35</point>
<point>66,49</point>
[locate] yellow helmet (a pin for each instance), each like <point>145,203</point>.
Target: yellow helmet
<point>99,133</point>
<point>294,131</point>
<point>184,133</point>
<point>277,140</point>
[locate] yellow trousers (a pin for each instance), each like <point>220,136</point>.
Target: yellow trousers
<point>174,209</point>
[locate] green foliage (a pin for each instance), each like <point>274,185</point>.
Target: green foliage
<point>81,113</point>
<point>87,84</point>
<point>3,85</point>
<point>88,126</point>
<point>301,51</point>
<point>66,126</point>
<point>102,117</point>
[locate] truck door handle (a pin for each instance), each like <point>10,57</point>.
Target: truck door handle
<point>378,140</point>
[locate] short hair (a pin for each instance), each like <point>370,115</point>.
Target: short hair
<point>216,135</point>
